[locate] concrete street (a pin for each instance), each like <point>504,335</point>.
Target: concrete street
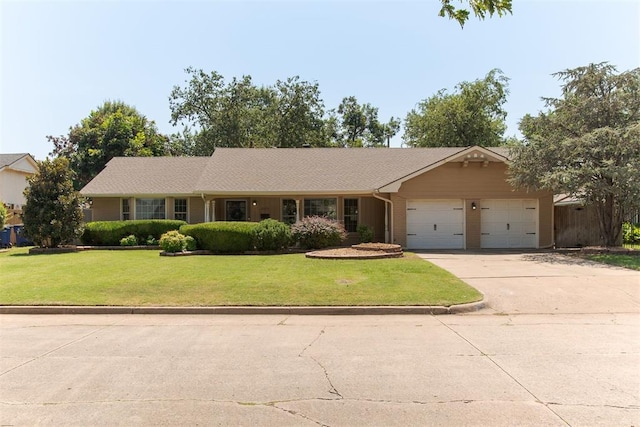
<point>542,353</point>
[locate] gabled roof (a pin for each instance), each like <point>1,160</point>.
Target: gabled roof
<point>311,170</point>
<point>265,171</point>
<point>139,176</point>
<point>14,161</point>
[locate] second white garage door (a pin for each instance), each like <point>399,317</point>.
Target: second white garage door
<point>509,223</point>
<point>435,224</point>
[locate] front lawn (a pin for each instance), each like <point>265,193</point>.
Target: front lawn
<point>142,278</point>
<point>627,261</point>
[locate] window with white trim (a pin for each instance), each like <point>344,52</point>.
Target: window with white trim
<point>321,207</point>
<point>150,209</point>
<point>126,210</point>
<point>180,209</point>
<point>351,215</point>
<point>289,214</point>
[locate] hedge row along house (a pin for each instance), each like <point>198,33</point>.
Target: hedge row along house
<point>420,198</point>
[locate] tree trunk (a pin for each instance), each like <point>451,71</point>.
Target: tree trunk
<point>609,221</point>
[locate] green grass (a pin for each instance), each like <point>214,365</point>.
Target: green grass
<point>627,261</point>
<point>142,278</point>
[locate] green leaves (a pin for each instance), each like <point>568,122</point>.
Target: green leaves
<point>480,8</point>
<point>472,115</point>
<point>588,144</point>
<point>52,214</point>
<point>112,130</point>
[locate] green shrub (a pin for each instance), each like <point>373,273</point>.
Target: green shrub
<point>109,233</point>
<point>192,245</point>
<point>173,241</point>
<point>129,241</point>
<point>631,233</point>
<point>271,235</point>
<point>365,233</point>
<point>222,237</point>
<point>151,241</point>
<point>315,232</point>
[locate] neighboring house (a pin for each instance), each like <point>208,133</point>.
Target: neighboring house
<point>420,198</point>
<point>14,171</point>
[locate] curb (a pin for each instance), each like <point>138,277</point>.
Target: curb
<point>319,310</point>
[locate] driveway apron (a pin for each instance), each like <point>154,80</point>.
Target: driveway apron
<point>543,282</point>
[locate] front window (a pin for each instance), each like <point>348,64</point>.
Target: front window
<point>351,215</point>
<point>180,209</point>
<point>150,209</point>
<point>236,210</point>
<point>321,207</point>
<point>289,214</point>
<point>126,210</point>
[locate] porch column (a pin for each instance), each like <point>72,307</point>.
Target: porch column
<point>297,210</point>
<point>213,210</point>
<point>386,223</point>
<point>206,211</point>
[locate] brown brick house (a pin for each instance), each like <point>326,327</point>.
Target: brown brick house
<point>421,198</point>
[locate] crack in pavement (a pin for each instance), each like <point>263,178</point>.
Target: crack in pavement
<point>46,353</point>
<point>332,388</point>
<point>504,370</point>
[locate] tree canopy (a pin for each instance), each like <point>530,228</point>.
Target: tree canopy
<point>587,144</point>
<point>480,9</point>
<point>114,129</point>
<point>52,215</point>
<point>356,125</point>
<point>241,114</point>
<point>472,115</point>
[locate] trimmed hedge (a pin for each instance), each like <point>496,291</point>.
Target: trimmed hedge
<point>109,233</point>
<point>222,237</point>
<point>271,235</point>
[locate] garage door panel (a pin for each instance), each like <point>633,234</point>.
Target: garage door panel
<point>435,224</point>
<point>509,223</point>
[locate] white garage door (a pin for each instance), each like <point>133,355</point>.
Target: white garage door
<point>508,223</point>
<point>435,224</point>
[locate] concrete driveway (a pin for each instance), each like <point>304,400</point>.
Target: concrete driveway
<point>543,282</point>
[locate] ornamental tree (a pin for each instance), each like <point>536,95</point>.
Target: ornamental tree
<point>587,144</point>
<point>52,214</point>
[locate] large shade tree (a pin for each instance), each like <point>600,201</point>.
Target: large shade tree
<point>473,114</point>
<point>114,129</point>
<point>357,125</point>
<point>52,214</point>
<point>587,144</point>
<point>216,113</point>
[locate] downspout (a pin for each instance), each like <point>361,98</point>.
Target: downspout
<point>388,219</point>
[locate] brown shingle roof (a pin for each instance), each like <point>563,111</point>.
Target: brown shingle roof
<point>269,171</point>
<point>147,176</point>
<point>312,170</point>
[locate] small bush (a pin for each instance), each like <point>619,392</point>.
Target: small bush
<point>151,241</point>
<point>222,237</point>
<point>365,233</point>
<point>271,235</point>
<point>173,241</point>
<point>314,232</point>
<point>192,245</point>
<point>129,241</point>
<point>109,233</point>
<point>631,233</point>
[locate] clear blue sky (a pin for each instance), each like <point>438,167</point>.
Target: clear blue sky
<point>60,60</point>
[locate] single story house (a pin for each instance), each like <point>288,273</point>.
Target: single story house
<point>15,168</point>
<point>420,198</point>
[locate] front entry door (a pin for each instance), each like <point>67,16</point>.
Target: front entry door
<point>236,210</point>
